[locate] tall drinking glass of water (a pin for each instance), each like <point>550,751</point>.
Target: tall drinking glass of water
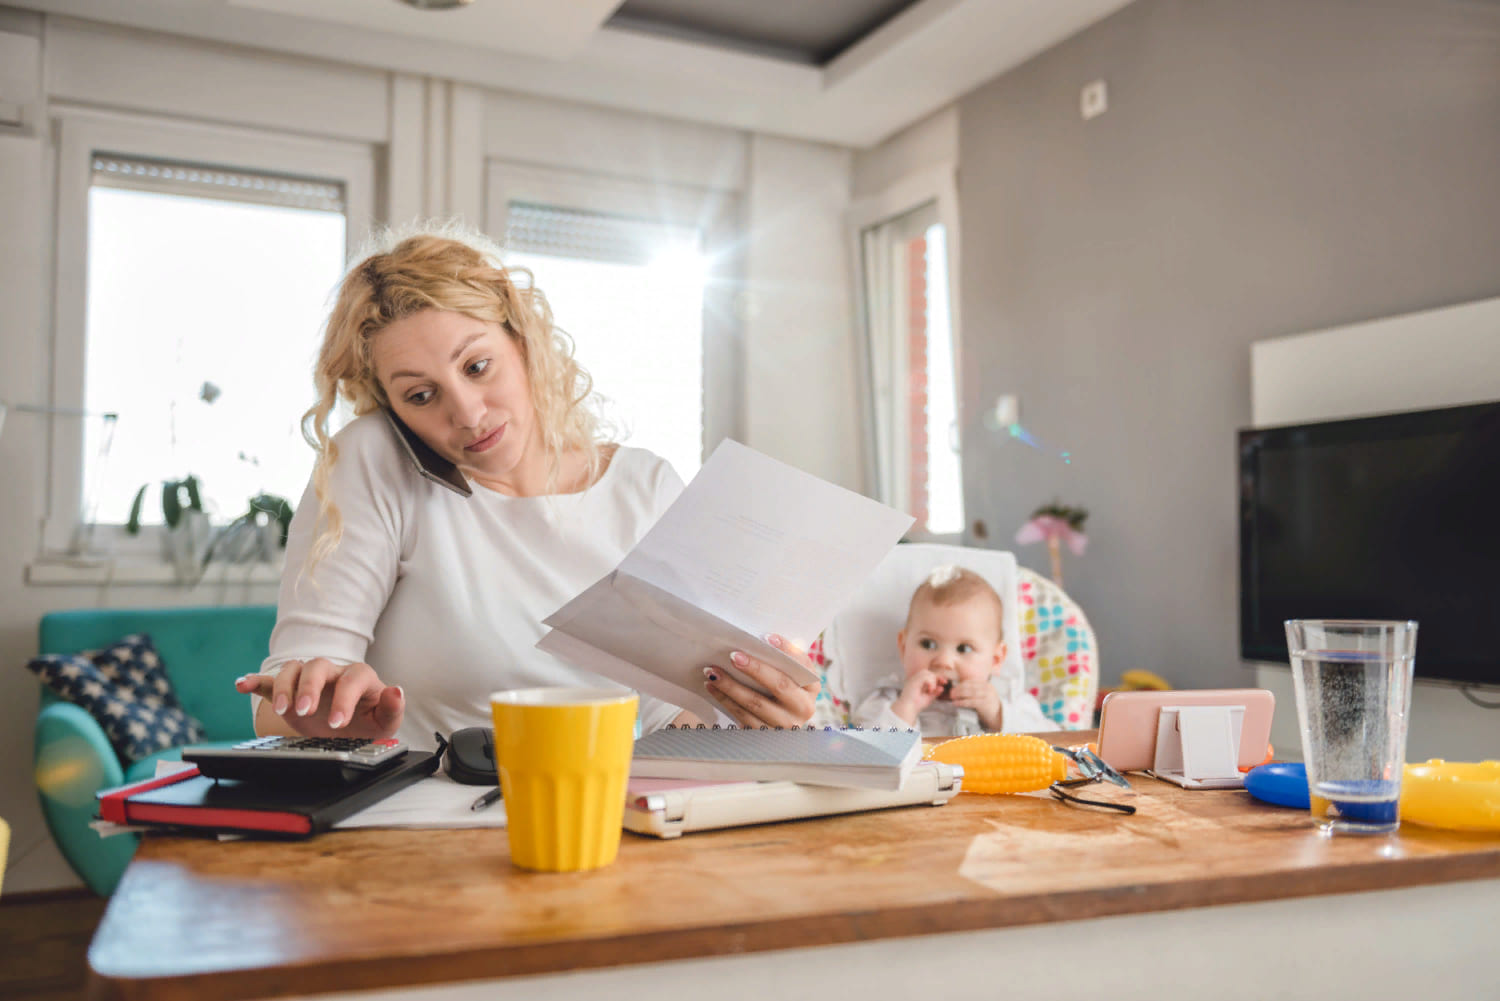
<point>1353,684</point>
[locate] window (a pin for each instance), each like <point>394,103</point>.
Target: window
<point>639,277</point>
<point>206,290</point>
<point>195,267</point>
<point>630,294</point>
<point>909,346</point>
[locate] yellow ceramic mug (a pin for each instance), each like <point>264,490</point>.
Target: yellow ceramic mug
<point>563,755</point>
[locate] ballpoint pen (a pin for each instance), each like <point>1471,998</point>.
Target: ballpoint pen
<point>488,799</point>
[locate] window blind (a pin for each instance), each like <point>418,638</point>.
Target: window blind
<point>595,236</point>
<point>202,181</point>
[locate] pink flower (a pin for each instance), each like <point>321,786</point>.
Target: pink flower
<point>1046,527</point>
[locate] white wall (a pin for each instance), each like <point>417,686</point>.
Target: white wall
<point>798,310</point>
<point>1382,366</point>
<point>433,138</point>
<point>116,67</point>
<point>535,130</point>
<point>1265,167</point>
<point>931,142</point>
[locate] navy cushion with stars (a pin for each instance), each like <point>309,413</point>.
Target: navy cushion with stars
<point>126,688</point>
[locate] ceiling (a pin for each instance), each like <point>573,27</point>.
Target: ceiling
<point>811,33</point>
<point>848,72</point>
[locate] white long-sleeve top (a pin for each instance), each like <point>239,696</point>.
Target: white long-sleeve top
<point>445,595</point>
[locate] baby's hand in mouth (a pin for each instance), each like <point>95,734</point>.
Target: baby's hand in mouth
<point>947,688</point>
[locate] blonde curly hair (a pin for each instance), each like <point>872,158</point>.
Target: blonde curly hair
<point>449,267</point>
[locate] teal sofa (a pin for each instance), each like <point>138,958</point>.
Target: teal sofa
<point>203,648</point>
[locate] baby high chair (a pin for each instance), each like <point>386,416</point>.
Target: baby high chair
<point>1050,644</point>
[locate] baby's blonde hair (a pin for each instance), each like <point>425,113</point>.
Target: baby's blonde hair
<point>951,585</point>
<point>449,267</point>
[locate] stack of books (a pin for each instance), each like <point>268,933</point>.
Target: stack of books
<point>187,800</point>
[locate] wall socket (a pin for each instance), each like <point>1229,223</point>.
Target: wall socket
<point>1093,100</point>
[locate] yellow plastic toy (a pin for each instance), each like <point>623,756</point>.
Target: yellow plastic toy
<point>1140,679</point>
<point>1002,762</point>
<point>1459,795</point>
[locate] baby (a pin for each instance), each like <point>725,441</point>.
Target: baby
<point>952,645</point>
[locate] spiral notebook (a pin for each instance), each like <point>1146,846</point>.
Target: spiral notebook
<point>852,758</point>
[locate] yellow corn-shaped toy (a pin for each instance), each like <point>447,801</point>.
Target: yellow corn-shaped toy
<point>1002,762</point>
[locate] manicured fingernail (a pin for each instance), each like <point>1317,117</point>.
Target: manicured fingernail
<point>401,692</point>
<point>774,640</point>
<point>279,705</point>
<point>335,720</point>
<point>710,674</point>
<point>740,659</point>
<point>304,705</point>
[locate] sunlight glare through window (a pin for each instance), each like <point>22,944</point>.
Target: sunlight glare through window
<point>638,331</point>
<point>945,499</point>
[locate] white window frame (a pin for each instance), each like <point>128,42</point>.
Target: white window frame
<point>712,212</point>
<point>80,132</point>
<point>887,463</point>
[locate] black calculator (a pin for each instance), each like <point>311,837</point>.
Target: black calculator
<point>298,759</point>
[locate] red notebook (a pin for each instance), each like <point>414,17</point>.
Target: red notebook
<point>188,800</point>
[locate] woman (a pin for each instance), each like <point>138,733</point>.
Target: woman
<point>404,603</point>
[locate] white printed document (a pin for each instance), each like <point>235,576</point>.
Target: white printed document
<point>436,801</point>
<point>752,547</point>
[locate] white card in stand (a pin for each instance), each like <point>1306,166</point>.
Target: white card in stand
<point>1198,747</point>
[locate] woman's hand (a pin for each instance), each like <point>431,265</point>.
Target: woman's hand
<point>788,704</point>
<point>318,698</point>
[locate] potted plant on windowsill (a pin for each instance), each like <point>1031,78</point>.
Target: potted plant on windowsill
<point>188,533</point>
<point>255,536</point>
<point>189,540</point>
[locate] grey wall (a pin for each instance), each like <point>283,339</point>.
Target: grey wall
<point>1265,167</point>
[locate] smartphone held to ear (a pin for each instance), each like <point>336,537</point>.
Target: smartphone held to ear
<point>431,465</point>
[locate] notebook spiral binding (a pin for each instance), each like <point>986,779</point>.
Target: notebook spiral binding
<point>809,726</point>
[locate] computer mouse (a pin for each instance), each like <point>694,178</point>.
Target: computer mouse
<point>471,756</point>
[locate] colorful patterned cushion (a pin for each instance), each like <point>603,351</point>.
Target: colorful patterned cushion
<point>1059,650</point>
<point>125,687</point>
<point>831,708</point>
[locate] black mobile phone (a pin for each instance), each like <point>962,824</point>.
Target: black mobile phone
<point>431,465</point>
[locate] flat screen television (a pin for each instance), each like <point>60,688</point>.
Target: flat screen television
<point>1388,517</point>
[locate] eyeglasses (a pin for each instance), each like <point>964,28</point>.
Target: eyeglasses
<point>1094,769</point>
<point>1059,790</point>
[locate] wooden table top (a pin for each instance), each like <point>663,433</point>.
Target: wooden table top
<point>369,909</point>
